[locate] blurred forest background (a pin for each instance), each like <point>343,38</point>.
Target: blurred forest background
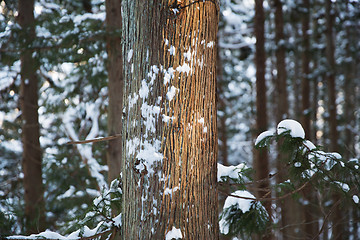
<point>287,59</point>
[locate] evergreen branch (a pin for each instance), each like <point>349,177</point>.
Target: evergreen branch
<point>95,140</point>
<point>56,45</point>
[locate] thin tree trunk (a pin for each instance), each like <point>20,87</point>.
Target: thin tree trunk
<point>337,216</point>
<point>290,209</point>
<point>169,130</point>
<point>305,84</point>
<point>115,87</point>
<point>261,162</point>
<point>222,129</point>
<point>280,84</point>
<point>310,229</point>
<point>32,154</point>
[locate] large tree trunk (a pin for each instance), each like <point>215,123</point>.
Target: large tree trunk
<point>169,129</point>
<point>261,162</point>
<point>115,87</point>
<point>32,154</point>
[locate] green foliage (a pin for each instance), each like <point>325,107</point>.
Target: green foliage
<point>70,49</point>
<point>239,175</point>
<point>102,211</point>
<point>307,164</point>
<point>256,220</point>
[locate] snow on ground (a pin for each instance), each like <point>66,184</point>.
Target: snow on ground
<point>47,234</point>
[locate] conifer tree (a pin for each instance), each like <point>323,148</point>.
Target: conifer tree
<point>32,153</point>
<point>169,129</point>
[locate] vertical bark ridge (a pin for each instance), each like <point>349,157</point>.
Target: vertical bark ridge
<point>181,192</point>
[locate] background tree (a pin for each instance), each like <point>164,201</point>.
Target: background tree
<point>337,217</point>
<point>261,162</point>
<point>115,87</point>
<point>32,153</point>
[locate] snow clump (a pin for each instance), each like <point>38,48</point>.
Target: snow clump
<point>174,233</point>
<point>296,130</point>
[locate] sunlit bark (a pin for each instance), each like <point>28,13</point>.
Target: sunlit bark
<point>169,129</point>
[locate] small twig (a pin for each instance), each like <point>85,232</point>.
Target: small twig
<point>326,218</point>
<point>268,199</point>
<point>95,140</point>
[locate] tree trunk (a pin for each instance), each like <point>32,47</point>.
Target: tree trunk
<point>280,84</point>
<point>289,207</point>
<point>222,128</point>
<point>310,227</point>
<point>32,154</point>
<point>305,83</point>
<point>261,162</point>
<point>337,230</point>
<point>115,89</point>
<point>169,129</point>
<point>115,86</point>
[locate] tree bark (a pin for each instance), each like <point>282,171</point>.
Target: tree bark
<point>310,227</point>
<point>32,154</point>
<point>305,83</point>
<point>115,87</point>
<point>337,216</point>
<point>222,129</point>
<point>261,162</point>
<point>280,84</point>
<point>169,129</point>
<point>290,209</point>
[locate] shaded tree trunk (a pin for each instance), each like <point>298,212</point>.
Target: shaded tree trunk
<point>290,214</point>
<point>261,162</point>
<point>305,83</point>
<point>337,216</point>
<point>32,154</point>
<point>310,227</point>
<point>115,89</point>
<point>169,129</point>
<point>115,86</point>
<point>222,129</point>
<point>280,84</point>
